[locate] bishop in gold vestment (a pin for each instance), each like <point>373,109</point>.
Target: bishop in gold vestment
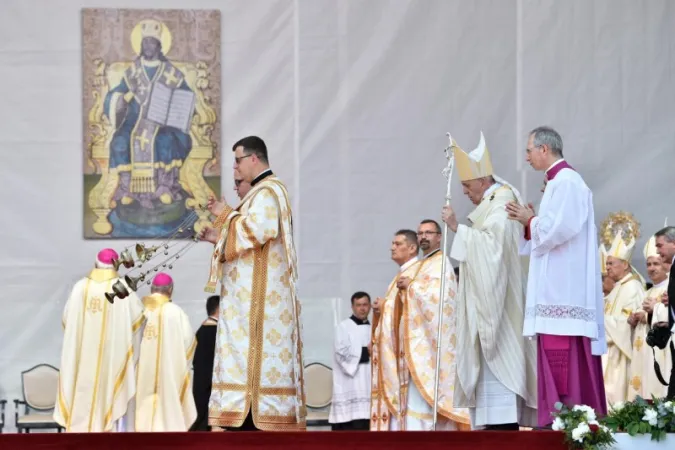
<point>404,346</point>
<point>164,400</point>
<point>97,378</point>
<point>643,379</point>
<point>258,377</point>
<point>624,299</point>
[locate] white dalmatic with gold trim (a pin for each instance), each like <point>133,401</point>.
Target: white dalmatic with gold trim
<point>164,400</point>
<point>258,362</point>
<point>97,373</point>
<point>404,353</point>
<point>624,299</point>
<point>643,379</point>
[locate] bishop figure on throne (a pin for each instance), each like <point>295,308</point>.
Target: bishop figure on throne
<point>150,110</point>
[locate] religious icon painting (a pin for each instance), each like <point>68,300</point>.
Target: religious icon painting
<point>151,97</point>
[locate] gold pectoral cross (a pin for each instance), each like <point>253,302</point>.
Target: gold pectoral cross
<point>170,76</point>
<point>95,305</point>
<point>143,140</point>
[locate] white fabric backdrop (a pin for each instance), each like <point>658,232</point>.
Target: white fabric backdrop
<point>354,99</point>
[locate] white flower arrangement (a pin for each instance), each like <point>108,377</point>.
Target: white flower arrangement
<point>581,427</point>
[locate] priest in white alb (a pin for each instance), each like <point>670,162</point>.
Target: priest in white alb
<point>258,371</point>
<point>564,304</point>
<point>643,379</point>
<point>164,400</point>
<point>350,408</point>
<point>404,344</point>
<point>496,367</point>
<point>100,343</point>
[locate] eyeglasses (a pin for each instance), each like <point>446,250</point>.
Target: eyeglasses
<point>237,159</point>
<point>427,233</point>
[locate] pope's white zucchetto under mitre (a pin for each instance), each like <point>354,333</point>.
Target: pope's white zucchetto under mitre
<point>477,164</point>
<point>473,165</point>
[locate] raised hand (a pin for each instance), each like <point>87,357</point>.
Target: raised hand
<point>214,206</point>
<point>519,212</point>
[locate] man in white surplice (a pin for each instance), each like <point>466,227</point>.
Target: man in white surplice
<point>496,365</point>
<point>350,409</point>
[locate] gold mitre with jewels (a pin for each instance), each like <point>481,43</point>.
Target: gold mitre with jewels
<point>151,28</point>
<point>619,232</point>
<point>475,164</point>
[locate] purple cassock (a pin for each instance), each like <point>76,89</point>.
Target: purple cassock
<point>567,370</point>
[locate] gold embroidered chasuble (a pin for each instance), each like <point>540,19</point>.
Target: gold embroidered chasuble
<point>258,362</point>
<point>404,353</point>
<point>97,371</point>
<point>164,400</point>
<point>643,380</point>
<point>624,299</point>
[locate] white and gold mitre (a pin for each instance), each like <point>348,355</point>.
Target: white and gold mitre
<point>603,259</point>
<point>475,164</point>
<point>619,232</point>
<point>650,247</point>
<point>151,28</point>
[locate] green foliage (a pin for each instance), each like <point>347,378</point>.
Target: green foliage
<point>583,430</point>
<point>655,417</point>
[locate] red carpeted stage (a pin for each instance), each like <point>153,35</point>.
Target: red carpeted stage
<point>475,440</point>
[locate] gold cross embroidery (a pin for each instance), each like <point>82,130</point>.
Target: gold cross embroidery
<point>150,332</point>
<point>170,76</point>
<point>143,140</point>
<point>95,305</point>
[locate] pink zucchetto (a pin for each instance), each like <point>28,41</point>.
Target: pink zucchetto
<point>162,279</point>
<point>106,256</point>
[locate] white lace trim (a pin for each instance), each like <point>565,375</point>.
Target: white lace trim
<point>561,312</point>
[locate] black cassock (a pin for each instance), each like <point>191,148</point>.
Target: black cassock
<point>203,373</point>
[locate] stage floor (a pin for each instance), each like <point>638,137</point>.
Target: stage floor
<point>475,440</point>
